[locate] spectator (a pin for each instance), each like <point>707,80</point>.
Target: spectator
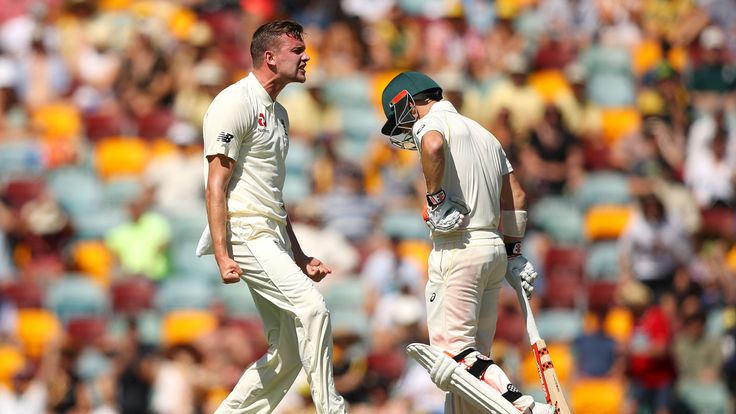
<point>650,366</point>
<point>597,354</point>
<point>710,175</point>
<point>653,246</point>
<point>141,243</point>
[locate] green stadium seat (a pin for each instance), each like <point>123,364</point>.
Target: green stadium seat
<point>76,296</point>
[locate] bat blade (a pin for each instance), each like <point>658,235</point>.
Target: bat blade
<point>548,377</point>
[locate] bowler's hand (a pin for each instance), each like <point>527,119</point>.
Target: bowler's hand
<point>230,272</point>
<point>315,269</point>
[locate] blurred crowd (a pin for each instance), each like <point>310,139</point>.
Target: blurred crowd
<point>619,117</point>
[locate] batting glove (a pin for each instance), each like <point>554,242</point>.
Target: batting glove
<point>444,215</point>
<point>519,270</point>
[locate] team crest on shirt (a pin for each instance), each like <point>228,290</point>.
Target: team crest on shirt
<point>262,120</point>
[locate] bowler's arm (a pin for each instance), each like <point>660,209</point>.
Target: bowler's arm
<point>220,169</point>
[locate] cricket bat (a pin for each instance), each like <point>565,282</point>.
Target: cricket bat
<point>547,374</point>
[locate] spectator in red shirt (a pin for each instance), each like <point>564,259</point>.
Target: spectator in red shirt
<point>650,364</point>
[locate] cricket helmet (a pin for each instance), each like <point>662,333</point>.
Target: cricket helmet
<point>399,98</point>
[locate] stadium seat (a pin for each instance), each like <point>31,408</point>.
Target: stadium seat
<point>19,158</point>
<point>132,296</point>
<point>646,55</point>
<point>100,125</point>
<point>618,324</point>
<point>711,398</point>
<point>549,84</point>
<point>121,156</point>
<point>187,264</point>
<point>297,187</point>
<point>120,191</point>
<point>185,326</point>
<point>558,217</point>
<point>348,91</point>
<point>619,122</point>
<point>346,294</point>
<point>35,329</point>
<point>509,326</point>
<point>406,224</point>
<point>559,325</point>
<point>606,221</point>
<point>87,196</point>
<point>24,294</point>
<point>597,396</point>
<point>175,293</point>
<point>603,188</point>
<point>76,296</point>
<point>564,260</point>
<point>601,295</point>
<point>93,258</point>
<point>17,192</point>
<point>187,226</point>
<point>602,261</point>
<point>154,124</point>
<point>237,300</point>
<point>86,330</point>
<point>57,121</point>
<point>96,225</point>
<point>11,362</point>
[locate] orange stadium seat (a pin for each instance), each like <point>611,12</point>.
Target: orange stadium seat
<point>117,156</point>
<point>549,84</point>
<point>11,361</point>
<point>93,258</point>
<point>605,222</point>
<point>185,326</point>
<point>36,328</point>
<point>58,120</point>
<point>618,324</point>
<point>618,122</point>
<point>645,56</point>
<point>597,396</point>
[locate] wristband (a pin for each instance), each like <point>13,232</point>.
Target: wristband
<point>436,198</point>
<point>513,249</point>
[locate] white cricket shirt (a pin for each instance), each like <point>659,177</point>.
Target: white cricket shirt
<point>245,124</point>
<point>475,164</point>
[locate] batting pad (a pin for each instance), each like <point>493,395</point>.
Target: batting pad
<point>463,384</point>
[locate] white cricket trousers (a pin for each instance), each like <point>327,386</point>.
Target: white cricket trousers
<point>297,325</point>
<point>466,270</point>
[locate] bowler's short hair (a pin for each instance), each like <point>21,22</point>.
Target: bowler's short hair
<point>267,35</point>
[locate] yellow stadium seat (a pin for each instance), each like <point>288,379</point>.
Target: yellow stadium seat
<point>181,22</point>
<point>184,326</point>
<point>11,361</point>
<point>378,83</point>
<point>606,221</point>
<point>645,56</point>
<point>678,58</point>
<point>550,84</point>
<point>618,324</point>
<point>416,250</point>
<point>36,328</point>
<point>93,258</point>
<point>161,147</point>
<point>731,259</point>
<point>562,359</point>
<point>57,121</point>
<point>121,156</point>
<point>597,396</point>
<point>618,122</point>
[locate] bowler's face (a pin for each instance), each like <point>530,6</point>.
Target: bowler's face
<point>291,59</point>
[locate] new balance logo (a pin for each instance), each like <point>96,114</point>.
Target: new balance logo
<point>225,137</point>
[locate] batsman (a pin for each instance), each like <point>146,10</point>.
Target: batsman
<point>477,218</point>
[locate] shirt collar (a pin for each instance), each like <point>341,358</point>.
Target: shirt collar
<point>258,89</point>
<point>442,105</point>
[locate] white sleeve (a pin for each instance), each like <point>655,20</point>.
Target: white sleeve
<point>226,125</point>
<point>425,125</point>
<point>506,167</point>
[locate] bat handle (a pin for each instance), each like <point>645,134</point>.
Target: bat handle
<point>526,310</point>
